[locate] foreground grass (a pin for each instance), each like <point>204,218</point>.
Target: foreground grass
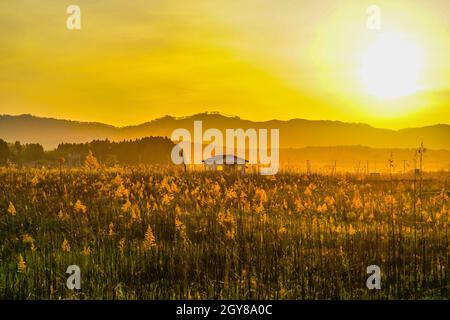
<point>155,233</point>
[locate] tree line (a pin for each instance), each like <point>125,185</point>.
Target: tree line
<point>151,150</point>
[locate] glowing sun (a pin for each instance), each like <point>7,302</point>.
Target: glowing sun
<point>391,67</point>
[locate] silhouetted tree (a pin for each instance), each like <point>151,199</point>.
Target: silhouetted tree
<point>101,148</point>
<point>4,151</point>
<point>16,152</point>
<point>33,152</point>
<point>146,150</point>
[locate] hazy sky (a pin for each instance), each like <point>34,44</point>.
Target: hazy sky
<point>133,61</point>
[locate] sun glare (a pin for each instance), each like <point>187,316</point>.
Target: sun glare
<point>391,67</point>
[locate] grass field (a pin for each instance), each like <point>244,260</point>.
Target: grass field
<point>156,233</point>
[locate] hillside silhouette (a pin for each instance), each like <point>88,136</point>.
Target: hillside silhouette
<point>295,133</point>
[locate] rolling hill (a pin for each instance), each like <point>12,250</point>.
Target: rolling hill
<point>295,133</point>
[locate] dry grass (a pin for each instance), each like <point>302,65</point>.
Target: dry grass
<point>155,233</point>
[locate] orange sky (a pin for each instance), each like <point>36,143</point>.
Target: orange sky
<point>137,60</point>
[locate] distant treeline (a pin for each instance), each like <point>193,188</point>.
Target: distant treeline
<point>152,150</point>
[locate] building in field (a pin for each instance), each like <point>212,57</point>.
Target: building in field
<point>226,163</point>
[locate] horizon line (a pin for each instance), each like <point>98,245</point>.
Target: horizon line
<point>212,113</point>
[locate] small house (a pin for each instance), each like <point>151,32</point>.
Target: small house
<point>225,162</point>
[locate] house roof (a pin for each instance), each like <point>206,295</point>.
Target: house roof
<point>224,159</point>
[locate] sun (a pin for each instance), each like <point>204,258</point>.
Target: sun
<point>391,67</point>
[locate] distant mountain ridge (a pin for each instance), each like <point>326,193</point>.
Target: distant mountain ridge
<point>294,133</point>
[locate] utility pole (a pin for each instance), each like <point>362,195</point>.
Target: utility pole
<point>184,162</point>
<point>421,152</point>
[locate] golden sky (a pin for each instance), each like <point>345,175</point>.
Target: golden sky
<point>133,61</point>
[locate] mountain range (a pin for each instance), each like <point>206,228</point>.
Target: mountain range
<point>295,133</point>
